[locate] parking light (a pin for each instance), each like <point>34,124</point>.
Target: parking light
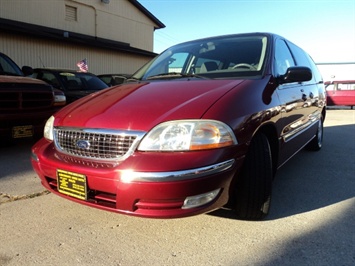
<point>59,100</point>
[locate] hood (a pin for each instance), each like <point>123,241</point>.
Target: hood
<point>76,94</point>
<point>20,79</point>
<point>141,106</point>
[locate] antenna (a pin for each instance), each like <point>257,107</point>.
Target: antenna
<point>41,61</point>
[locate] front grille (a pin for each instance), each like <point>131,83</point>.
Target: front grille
<point>20,100</point>
<point>96,144</point>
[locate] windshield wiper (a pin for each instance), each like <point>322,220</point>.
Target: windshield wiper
<point>174,75</point>
<point>132,79</point>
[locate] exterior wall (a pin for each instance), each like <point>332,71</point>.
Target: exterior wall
<point>119,20</point>
<point>337,71</point>
<point>41,53</point>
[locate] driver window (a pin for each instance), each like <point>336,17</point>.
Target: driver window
<point>283,58</point>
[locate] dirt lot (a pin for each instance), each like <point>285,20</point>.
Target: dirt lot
<point>311,220</point>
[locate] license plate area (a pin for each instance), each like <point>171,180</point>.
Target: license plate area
<point>22,131</point>
<point>72,184</point>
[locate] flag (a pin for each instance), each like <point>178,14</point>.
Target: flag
<point>82,65</point>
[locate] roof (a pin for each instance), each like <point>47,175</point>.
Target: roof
<point>37,31</point>
<point>16,27</point>
<point>148,14</point>
<point>61,70</point>
<point>340,81</point>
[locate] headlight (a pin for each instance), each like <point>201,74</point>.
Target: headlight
<point>188,135</point>
<point>48,128</point>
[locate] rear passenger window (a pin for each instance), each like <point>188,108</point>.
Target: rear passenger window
<point>346,86</point>
<point>283,58</point>
<point>300,56</point>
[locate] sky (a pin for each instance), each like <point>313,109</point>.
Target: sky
<point>325,29</point>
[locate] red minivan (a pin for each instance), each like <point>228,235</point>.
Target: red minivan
<point>206,124</point>
<point>341,92</point>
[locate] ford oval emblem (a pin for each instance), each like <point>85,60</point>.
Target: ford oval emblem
<point>83,144</point>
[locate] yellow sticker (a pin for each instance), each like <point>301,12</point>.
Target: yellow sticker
<point>72,184</point>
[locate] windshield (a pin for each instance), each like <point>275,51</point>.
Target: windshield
<point>81,81</point>
<point>8,67</point>
<point>219,57</point>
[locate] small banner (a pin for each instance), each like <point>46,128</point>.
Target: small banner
<point>83,65</point>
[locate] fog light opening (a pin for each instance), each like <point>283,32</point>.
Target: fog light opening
<point>201,199</point>
<point>34,156</point>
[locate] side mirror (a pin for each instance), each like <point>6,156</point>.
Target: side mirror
<point>296,74</point>
<point>27,71</point>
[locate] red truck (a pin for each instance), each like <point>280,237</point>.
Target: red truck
<point>25,103</point>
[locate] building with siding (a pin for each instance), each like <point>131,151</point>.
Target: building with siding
<point>115,36</point>
<point>337,71</point>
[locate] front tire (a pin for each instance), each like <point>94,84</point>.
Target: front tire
<point>316,143</point>
<point>254,183</point>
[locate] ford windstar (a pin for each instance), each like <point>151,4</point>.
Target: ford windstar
<point>204,125</point>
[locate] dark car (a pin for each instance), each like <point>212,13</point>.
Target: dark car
<point>25,103</point>
<point>206,124</point>
<point>114,79</point>
<point>73,83</point>
<point>341,92</point>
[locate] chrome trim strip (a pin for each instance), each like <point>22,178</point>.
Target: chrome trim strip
<point>103,131</point>
<point>129,176</point>
<point>313,119</point>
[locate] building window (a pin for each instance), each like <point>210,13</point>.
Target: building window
<point>71,13</point>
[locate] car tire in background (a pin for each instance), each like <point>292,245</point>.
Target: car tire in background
<point>254,184</point>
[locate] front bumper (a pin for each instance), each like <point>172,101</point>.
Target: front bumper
<point>36,120</point>
<point>169,194</point>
